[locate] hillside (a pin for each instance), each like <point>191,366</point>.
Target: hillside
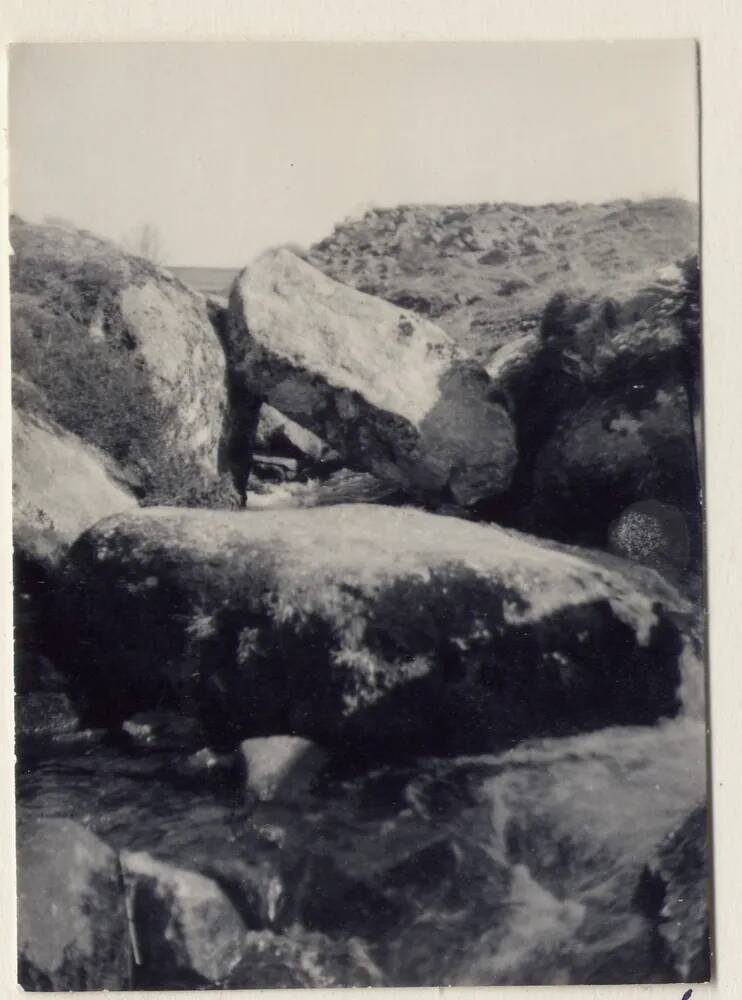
<point>484,272</point>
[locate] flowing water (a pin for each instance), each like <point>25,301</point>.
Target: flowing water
<point>516,868</point>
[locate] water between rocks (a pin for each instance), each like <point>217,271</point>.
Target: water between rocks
<point>516,868</point>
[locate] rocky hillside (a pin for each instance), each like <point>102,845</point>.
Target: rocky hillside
<point>485,272</point>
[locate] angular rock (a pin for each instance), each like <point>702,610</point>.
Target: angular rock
<point>384,387</point>
<point>72,926</point>
<point>365,625</point>
<point>278,766</point>
<point>278,435</point>
<point>123,355</point>
<point>674,892</point>
<point>186,930</point>
<point>61,486</point>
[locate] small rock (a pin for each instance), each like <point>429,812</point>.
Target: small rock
<point>281,766</point>
<point>186,930</point>
<point>72,927</point>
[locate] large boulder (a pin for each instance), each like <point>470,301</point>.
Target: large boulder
<point>384,387</point>
<point>123,355</point>
<point>72,927</point>
<point>364,626</point>
<point>186,932</point>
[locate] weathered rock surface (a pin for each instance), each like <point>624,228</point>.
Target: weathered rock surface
<point>674,891</point>
<point>61,486</point>
<point>652,533</point>
<point>366,626</point>
<point>187,933</point>
<point>123,355</point>
<point>278,766</point>
<point>384,387</point>
<point>72,927</point>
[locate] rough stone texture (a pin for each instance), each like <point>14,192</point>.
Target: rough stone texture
<point>61,486</point>
<point>674,891</point>
<point>384,387</point>
<point>365,625</point>
<point>187,932</point>
<point>278,766</point>
<point>72,928</point>
<point>123,355</point>
<point>652,533</point>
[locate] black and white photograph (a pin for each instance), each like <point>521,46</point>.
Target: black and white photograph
<point>359,520</point>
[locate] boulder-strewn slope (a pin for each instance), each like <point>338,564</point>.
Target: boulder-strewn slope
<point>383,386</point>
<point>485,272</point>
<point>122,355</point>
<point>364,625</point>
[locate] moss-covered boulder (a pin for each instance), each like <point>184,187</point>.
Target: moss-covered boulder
<point>364,626</point>
<point>122,355</point>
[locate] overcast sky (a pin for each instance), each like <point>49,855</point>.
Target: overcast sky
<point>229,148</point>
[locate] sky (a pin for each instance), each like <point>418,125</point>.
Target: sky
<point>229,148</point>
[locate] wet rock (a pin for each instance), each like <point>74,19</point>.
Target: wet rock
<point>124,356</point>
<point>72,927</point>
<point>187,933</point>
<point>280,766</point>
<point>365,626</point>
<point>339,362</point>
<point>300,959</point>
<point>674,892</point>
<point>652,533</point>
